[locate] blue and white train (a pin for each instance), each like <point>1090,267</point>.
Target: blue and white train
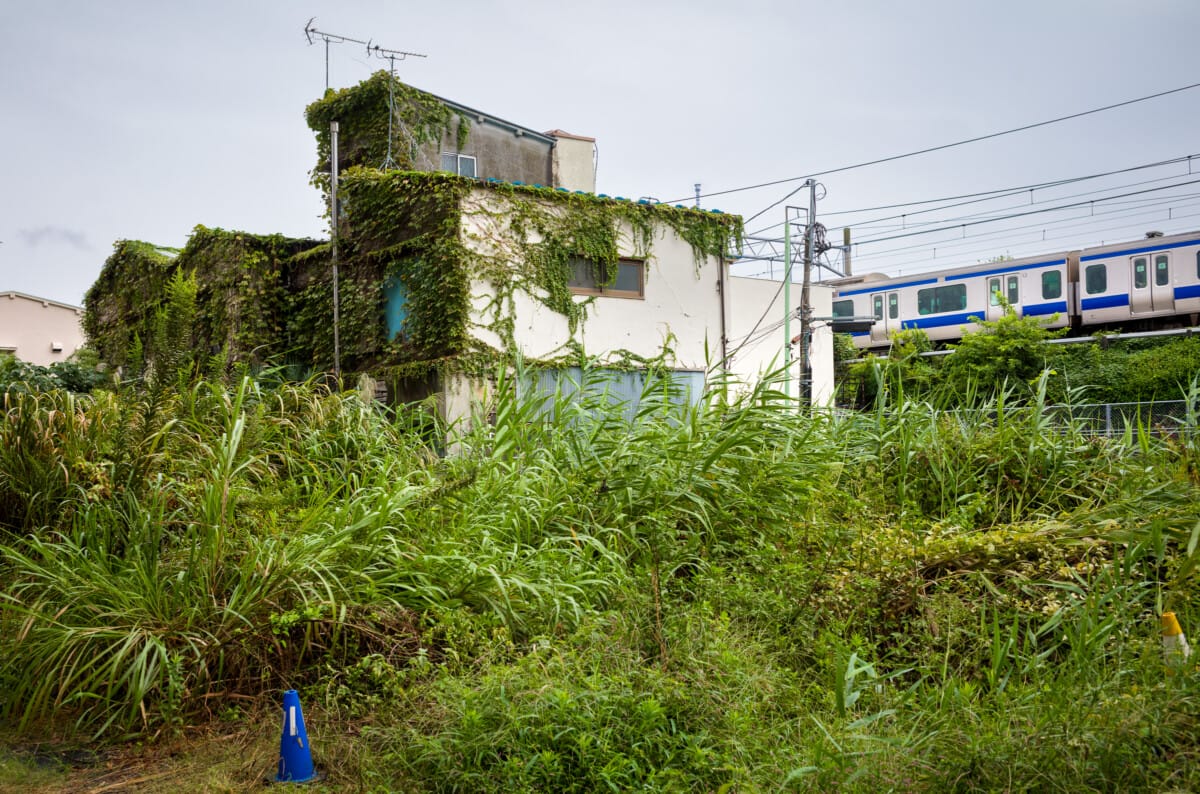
<point>1147,283</point>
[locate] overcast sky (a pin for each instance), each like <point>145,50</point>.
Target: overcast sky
<point>140,120</point>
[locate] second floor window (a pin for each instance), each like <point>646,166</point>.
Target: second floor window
<point>586,278</point>
<point>461,164</point>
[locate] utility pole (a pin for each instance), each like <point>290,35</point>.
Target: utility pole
<point>805,302</point>
<point>787,301</point>
<point>333,244</point>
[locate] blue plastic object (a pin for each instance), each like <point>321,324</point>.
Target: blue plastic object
<point>537,185</point>
<point>518,182</point>
<point>295,756</point>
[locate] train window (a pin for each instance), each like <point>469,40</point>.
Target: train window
<point>1162,272</point>
<point>994,291</point>
<point>877,306</point>
<point>893,306</point>
<point>843,308</point>
<point>950,298</point>
<point>1051,284</point>
<point>1139,273</point>
<point>1014,290</point>
<point>1095,279</point>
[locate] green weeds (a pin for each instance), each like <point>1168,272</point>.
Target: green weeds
<point>727,596</point>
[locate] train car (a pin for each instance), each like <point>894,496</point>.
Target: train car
<point>1148,283</point>
<point>945,303</point>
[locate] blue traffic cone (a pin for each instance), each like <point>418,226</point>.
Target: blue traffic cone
<point>295,756</point>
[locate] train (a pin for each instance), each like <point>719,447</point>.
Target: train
<point>1153,282</point>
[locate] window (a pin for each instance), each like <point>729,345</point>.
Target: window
<point>843,308</point>
<point>935,300</point>
<point>1139,273</point>
<point>1014,290</point>
<point>893,306</point>
<point>1051,284</point>
<point>1095,278</point>
<point>993,291</point>
<point>877,306</point>
<point>1162,272</point>
<point>461,164</point>
<point>629,283</point>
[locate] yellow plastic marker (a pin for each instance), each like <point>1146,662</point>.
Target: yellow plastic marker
<point>1175,645</point>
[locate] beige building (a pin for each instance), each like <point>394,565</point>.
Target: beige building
<point>38,330</point>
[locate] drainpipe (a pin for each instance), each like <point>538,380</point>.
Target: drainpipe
<point>722,284</point>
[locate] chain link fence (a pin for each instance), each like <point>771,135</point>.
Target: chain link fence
<point>1112,419</point>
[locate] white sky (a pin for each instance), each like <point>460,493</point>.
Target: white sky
<point>140,120</point>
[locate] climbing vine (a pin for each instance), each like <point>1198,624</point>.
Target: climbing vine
<point>240,304</point>
<point>362,113</point>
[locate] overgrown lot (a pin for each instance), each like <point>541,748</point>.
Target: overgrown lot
<point>735,597</point>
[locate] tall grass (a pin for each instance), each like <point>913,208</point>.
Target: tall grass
<point>727,592</point>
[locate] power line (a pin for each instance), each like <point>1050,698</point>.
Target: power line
<point>989,195</point>
<point>1108,226</point>
<point>998,193</point>
<point>931,149</point>
<point>1095,195</point>
<point>1024,214</point>
<point>943,146</point>
<point>1141,206</point>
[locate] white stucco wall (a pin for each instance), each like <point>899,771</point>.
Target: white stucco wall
<point>39,331</point>
<point>681,308</point>
<point>574,162</point>
<point>757,350</point>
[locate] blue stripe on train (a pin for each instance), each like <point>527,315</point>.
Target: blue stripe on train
<point>1045,308</point>
<point>1187,292</point>
<point>937,322</point>
<point>1143,250</point>
<point>1001,270</point>
<point>885,287</point>
<point>1105,302</point>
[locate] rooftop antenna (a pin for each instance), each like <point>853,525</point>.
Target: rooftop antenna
<point>311,33</point>
<point>391,56</point>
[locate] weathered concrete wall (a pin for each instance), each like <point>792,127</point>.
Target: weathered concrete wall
<point>574,162</point>
<point>39,331</point>
<point>499,152</point>
<point>752,356</point>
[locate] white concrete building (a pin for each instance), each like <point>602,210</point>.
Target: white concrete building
<point>666,297</point>
<point>38,330</point>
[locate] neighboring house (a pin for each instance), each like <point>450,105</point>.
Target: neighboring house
<point>39,330</point>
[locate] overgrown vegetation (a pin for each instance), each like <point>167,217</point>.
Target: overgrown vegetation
<point>730,596</point>
<point>1010,354</point>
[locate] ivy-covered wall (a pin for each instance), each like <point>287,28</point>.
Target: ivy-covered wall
<point>122,303</point>
<point>242,300</point>
<point>464,253</point>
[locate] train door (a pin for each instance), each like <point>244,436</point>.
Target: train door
<point>1002,289</point>
<point>1151,290</point>
<point>885,307</point>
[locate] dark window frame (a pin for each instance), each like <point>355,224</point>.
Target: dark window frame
<point>607,290</point>
<point>931,300</point>
<point>839,308</point>
<point>1051,283</point>
<point>1088,280</point>
<point>1141,277</point>
<point>1164,271</point>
